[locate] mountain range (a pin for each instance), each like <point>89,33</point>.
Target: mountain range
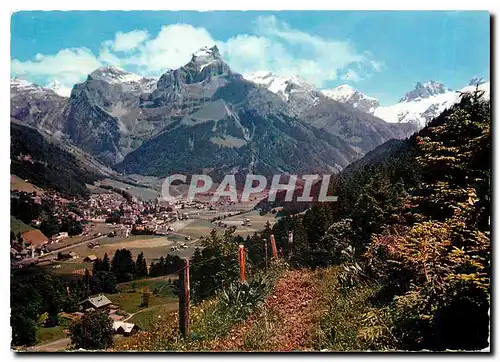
<point>203,117</point>
<point>419,106</point>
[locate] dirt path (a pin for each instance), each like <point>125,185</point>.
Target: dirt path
<point>293,306</point>
<point>140,311</point>
<point>53,346</point>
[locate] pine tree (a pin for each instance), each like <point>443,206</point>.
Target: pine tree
<point>97,266</point>
<point>86,283</point>
<point>141,268</point>
<point>106,263</point>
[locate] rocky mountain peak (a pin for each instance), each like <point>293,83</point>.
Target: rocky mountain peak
<point>426,90</point>
<point>208,59</point>
<point>112,74</point>
<point>22,84</point>
<point>294,90</point>
<point>347,94</point>
<point>206,54</point>
<point>19,86</point>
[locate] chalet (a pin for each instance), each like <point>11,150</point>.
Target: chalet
<point>125,329</point>
<point>73,255</point>
<point>90,258</point>
<point>94,303</point>
<point>34,238</point>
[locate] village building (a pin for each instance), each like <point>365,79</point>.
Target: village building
<point>58,237</point>
<point>125,329</point>
<point>99,302</point>
<point>90,258</point>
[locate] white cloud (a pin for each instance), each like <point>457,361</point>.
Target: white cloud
<point>378,66</point>
<point>68,66</point>
<point>286,51</point>
<point>127,41</point>
<point>274,46</point>
<point>172,48</point>
<point>351,76</point>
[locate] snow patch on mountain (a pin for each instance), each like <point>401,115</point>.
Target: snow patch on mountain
<point>129,81</point>
<point>284,87</point>
<point>421,106</point>
<point>112,74</point>
<point>346,94</point>
<point>23,85</point>
<point>206,56</point>
<point>426,90</point>
<point>19,86</point>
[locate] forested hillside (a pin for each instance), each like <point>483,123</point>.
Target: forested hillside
<point>413,224</point>
<point>45,164</point>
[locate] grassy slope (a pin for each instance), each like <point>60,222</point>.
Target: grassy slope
<point>17,226</point>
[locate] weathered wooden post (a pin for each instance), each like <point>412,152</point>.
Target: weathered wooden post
<point>265,250</point>
<point>184,300</point>
<point>290,245</point>
<point>273,246</point>
<point>242,263</point>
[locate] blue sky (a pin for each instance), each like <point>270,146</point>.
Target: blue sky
<point>383,54</point>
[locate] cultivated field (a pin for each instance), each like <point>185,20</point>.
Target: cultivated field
<point>257,222</point>
<point>152,246</point>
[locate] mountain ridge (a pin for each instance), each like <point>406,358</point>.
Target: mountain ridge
<point>115,113</point>
<point>418,106</point>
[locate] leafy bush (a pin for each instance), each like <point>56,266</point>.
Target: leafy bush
<point>93,331</point>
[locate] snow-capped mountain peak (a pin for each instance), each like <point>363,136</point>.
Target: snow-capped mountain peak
<point>425,102</point>
<point>426,90</point>
<point>347,94</point>
<point>206,56</point>
<point>22,84</point>
<point>206,52</point>
<point>118,76</point>
<point>341,93</point>
<point>19,86</point>
<point>283,86</point>
<point>112,74</point>
<point>418,106</point>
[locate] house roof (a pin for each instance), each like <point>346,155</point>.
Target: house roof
<point>127,327</point>
<point>34,237</point>
<point>72,253</point>
<point>98,301</point>
<point>91,257</point>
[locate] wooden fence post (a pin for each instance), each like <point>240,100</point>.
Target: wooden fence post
<point>273,246</point>
<point>242,263</point>
<point>290,245</point>
<point>265,250</point>
<point>184,300</point>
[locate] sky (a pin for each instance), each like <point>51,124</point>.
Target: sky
<point>381,53</point>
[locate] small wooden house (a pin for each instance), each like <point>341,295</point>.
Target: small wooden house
<point>94,303</point>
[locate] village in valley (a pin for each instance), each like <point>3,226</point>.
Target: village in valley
<point>71,236</point>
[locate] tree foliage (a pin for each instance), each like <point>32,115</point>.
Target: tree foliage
<point>93,331</point>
